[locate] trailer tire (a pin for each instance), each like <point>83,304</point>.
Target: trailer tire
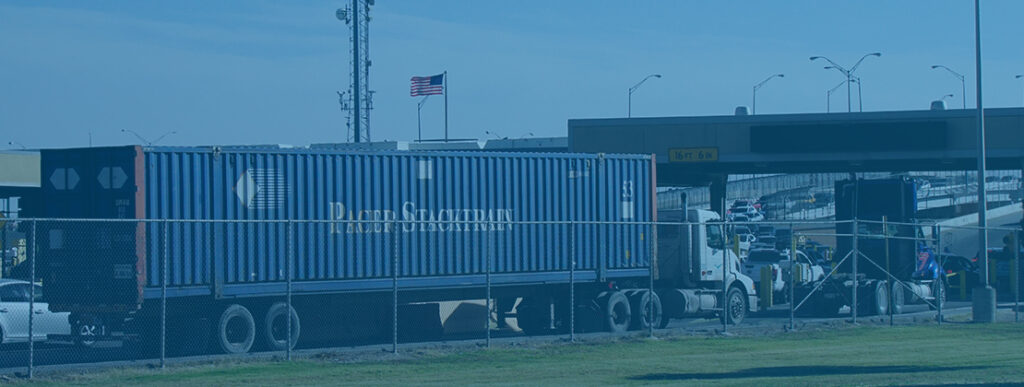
<point>617,313</point>
<point>640,303</point>
<point>236,330</point>
<point>735,308</point>
<point>275,327</point>
<point>880,299</point>
<point>532,315</point>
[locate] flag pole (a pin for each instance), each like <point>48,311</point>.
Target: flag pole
<point>445,105</point>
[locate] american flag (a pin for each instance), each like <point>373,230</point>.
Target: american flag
<point>431,85</point>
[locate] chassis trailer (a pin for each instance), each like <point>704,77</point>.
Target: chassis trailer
<point>226,234</point>
<point>896,265</point>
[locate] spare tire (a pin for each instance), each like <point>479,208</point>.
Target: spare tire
<point>236,330</point>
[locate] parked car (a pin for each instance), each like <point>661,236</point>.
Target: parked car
<point>14,312</point>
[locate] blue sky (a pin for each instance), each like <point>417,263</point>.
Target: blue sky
<point>258,72</point>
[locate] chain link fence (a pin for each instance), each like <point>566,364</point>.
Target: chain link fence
<point>151,291</point>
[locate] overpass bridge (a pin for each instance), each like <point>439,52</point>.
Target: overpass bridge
<point>696,151</point>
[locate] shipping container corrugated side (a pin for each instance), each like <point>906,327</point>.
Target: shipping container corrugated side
<point>317,191</point>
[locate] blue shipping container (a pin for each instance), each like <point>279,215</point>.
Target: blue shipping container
<point>444,214</point>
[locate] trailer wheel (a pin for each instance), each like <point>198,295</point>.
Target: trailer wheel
<point>236,329</point>
<point>532,315</point>
<point>617,313</point>
<point>640,303</point>
<point>275,327</point>
<point>735,308</point>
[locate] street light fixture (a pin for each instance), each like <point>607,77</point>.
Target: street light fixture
<point>946,96</point>
<point>848,74</point>
<point>963,87</point>
<point>147,142</point>
<point>1019,76</point>
<point>753,108</point>
<point>629,108</point>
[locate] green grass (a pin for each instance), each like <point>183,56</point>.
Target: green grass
<point>860,356</point>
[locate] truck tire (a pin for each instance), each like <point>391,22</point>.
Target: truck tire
<point>236,330</point>
<point>640,302</point>
<point>735,308</point>
<point>532,315</point>
<point>617,313</point>
<point>899,294</point>
<point>275,327</point>
<point>880,299</point>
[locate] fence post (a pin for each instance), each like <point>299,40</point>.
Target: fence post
<point>288,290</point>
<point>1016,275</point>
<point>163,295</point>
<point>394,289</point>
<point>31,304</point>
<point>856,283</point>
<point>890,279</point>
<point>941,288</point>
<point>725,283</point>
<point>792,280</point>
<point>572,282</point>
<point>487,256</point>
<point>651,295</point>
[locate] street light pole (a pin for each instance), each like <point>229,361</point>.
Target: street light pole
<point>629,107</point>
<point>984,304</point>
<point>753,108</point>
<point>847,73</point>
<point>963,85</point>
<point>828,96</point>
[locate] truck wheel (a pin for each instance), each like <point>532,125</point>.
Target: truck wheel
<point>532,316</point>
<point>86,330</point>
<point>881,299</point>
<point>275,327</point>
<point>236,329</point>
<point>616,311</point>
<point>899,293</point>
<point>735,306</point>
<point>640,303</point>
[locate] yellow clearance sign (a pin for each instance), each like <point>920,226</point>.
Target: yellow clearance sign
<point>692,155</point>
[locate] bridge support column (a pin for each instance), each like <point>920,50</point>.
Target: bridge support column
<point>717,193</point>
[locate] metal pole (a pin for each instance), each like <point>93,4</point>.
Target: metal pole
<point>288,290</point>
<point>445,80</point>
<point>163,296</point>
<point>487,256</point>
<point>753,104</point>
<point>1016,275</point>
<point>650,288</point>
<point>355,71</point>
<point>942,275</point>
<point>888,271</point>
<point>849,105</point>
<point>419,125</point>
<point>572,282</point>
<point>963,92</point>
<point>31,305</point>
<point>856,257</point>
<point>984,303</point>
<point>792,281</point>
<point>394,288</point>
<point>725,283</point>
<point>860,97</point>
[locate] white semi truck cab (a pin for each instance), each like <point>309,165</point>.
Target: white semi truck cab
<point>693,259</point>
